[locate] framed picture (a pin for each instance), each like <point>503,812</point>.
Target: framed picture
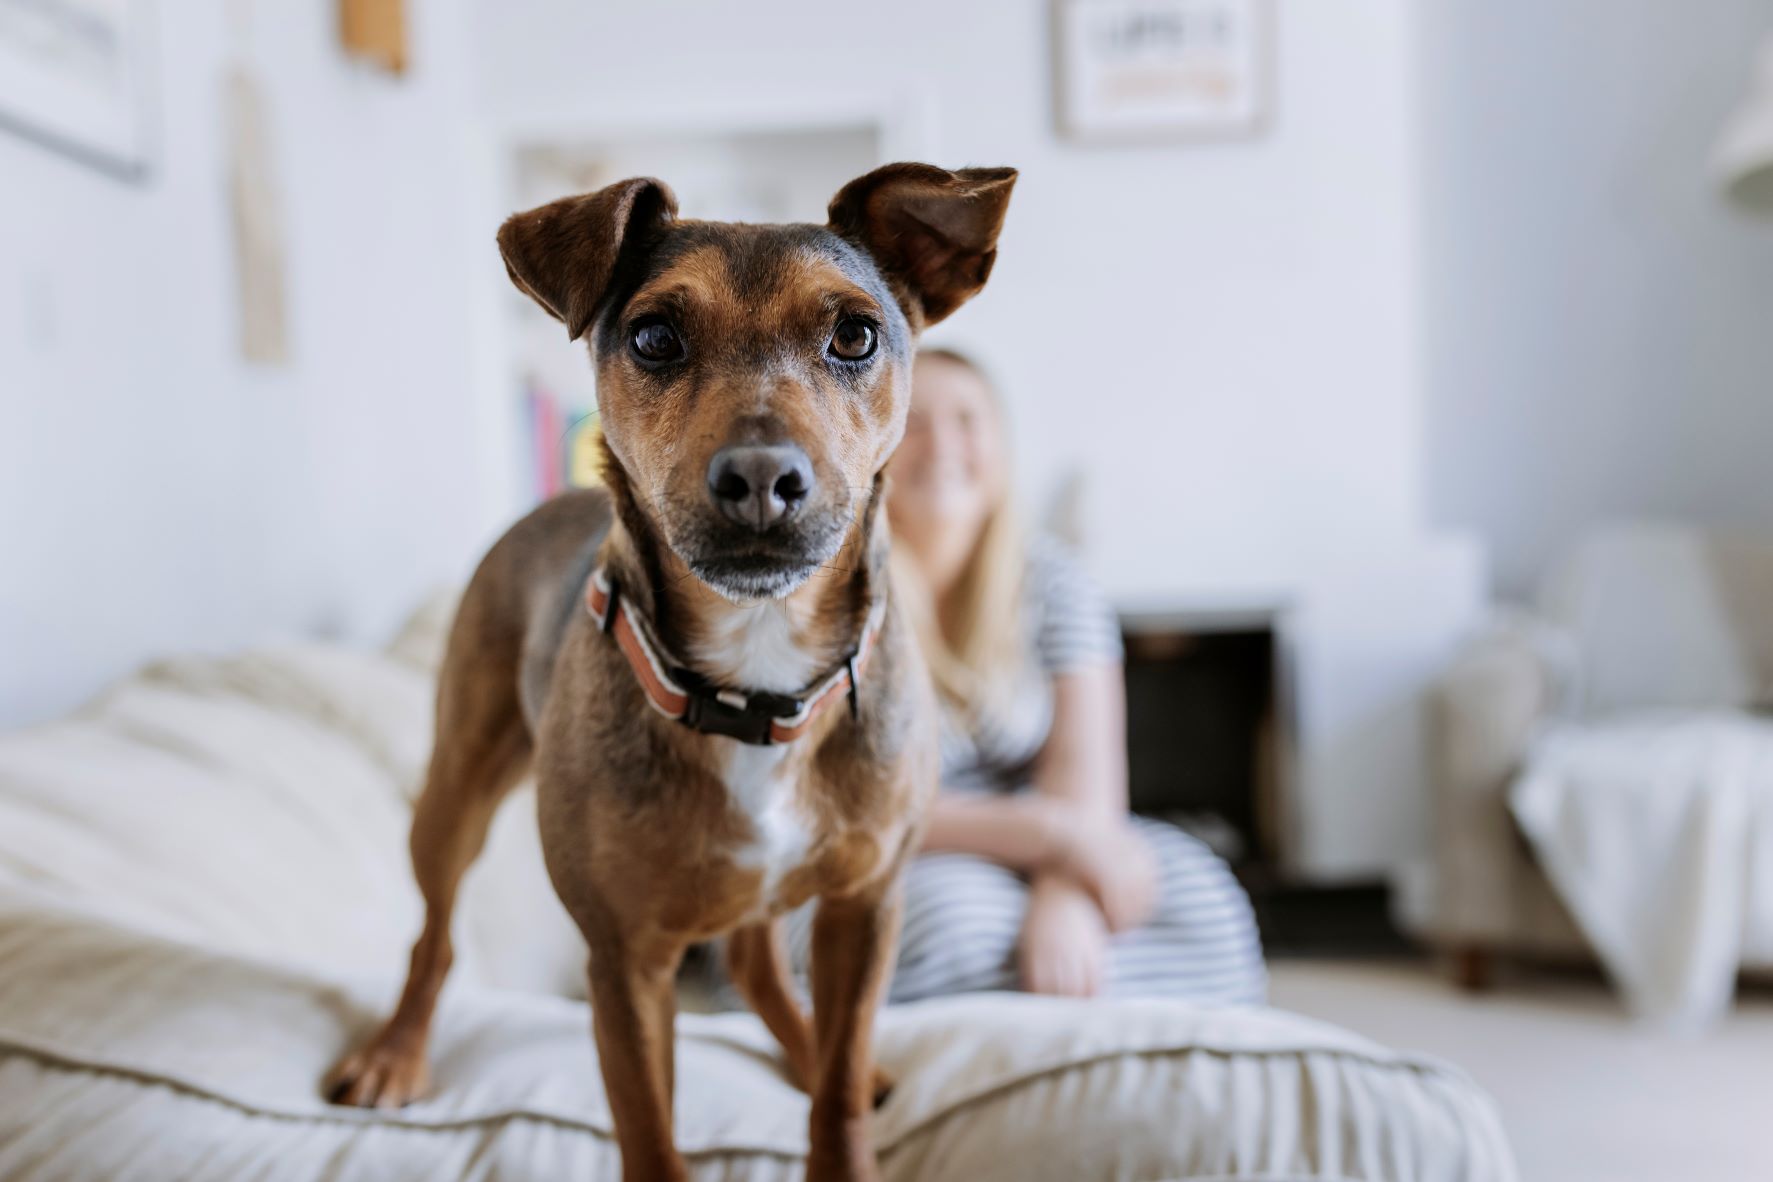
<point>75,77</point>
<point>1156,69</point>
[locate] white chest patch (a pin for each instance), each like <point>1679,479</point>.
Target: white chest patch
<point>759,786</point>
<point>754,648</point>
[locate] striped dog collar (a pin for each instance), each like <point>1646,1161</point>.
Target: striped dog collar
<point>758,717</point>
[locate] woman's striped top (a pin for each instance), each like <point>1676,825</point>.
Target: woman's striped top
<point>1068,626</point>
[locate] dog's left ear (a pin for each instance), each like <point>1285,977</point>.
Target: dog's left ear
<point>564,254</point>
<point>933,232</point>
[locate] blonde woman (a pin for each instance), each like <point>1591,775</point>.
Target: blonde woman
<point>1034,876</point>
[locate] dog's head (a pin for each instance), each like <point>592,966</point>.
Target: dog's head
<point>752,380</point>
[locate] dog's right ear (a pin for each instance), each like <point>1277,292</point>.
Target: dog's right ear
<point>564,254</point>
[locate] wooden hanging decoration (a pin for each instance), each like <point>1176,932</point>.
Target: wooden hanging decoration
<point>375,30</point>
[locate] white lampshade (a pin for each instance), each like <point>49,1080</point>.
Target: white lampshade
<point>1744,158</point>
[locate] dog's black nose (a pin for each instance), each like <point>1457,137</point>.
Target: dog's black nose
<point>760,485</point>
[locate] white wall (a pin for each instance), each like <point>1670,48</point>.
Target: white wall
<point>1250,305</point>
<point>1223,337</point>
<point>1600,322</point>
<point>157,494</point>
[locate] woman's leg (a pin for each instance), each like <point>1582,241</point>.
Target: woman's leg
<point>963,920</point>
<point>1201,944</point>
<point>963,916</point>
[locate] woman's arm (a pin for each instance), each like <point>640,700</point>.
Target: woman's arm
<point>1081,773</point>
<point>1073,823</point>
<point>1084,760</point>
<point>1091,885</point>
<point>1016,831</point>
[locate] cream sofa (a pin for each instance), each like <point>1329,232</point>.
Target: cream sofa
<point>204,900</point>
<point>1603,771</point>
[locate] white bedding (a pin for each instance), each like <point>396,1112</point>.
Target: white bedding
<point>126,1056</point>
<point>204,899</point>
<point>260,805</point>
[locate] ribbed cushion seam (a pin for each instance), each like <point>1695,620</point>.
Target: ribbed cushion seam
<point>21,1044</point>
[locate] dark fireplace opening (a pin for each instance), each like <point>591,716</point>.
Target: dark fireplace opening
<point>1206,730</point>
<point>1210,748</point>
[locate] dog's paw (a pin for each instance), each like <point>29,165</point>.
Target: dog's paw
<point>384,1074</point>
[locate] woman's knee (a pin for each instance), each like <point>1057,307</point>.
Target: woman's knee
<point>963,917</point>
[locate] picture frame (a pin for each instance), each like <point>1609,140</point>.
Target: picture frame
<point>1157,70</point>
<point>76,77</point>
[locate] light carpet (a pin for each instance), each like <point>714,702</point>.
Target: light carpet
<point>1587,1095</point>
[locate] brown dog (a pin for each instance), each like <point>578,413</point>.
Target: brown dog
<point>736,720</point>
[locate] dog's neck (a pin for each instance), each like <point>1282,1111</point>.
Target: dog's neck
<point>780,645</point>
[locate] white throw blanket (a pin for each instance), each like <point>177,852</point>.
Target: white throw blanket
<point>1655,830</point>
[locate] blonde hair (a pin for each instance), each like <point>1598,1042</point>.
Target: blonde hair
<point>976,648</point>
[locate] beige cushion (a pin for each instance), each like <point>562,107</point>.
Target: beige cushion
<point>124,1055</point>
<point>204,900</point>
<point>260,805</point>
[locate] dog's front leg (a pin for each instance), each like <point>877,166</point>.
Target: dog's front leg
<point>757,962</point>
<point>854,941</point>
<point>633,1015</point>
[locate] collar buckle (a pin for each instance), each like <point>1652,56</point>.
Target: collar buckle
<point>749,718</point>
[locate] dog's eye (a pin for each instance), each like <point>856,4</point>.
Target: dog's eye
<point>656,342</point>
<point>853,339</point>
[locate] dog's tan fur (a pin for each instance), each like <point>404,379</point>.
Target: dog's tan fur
<point>657,836</point>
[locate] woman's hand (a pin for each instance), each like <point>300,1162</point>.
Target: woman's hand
<point>1064,945</point>
<point>1109,859</point>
